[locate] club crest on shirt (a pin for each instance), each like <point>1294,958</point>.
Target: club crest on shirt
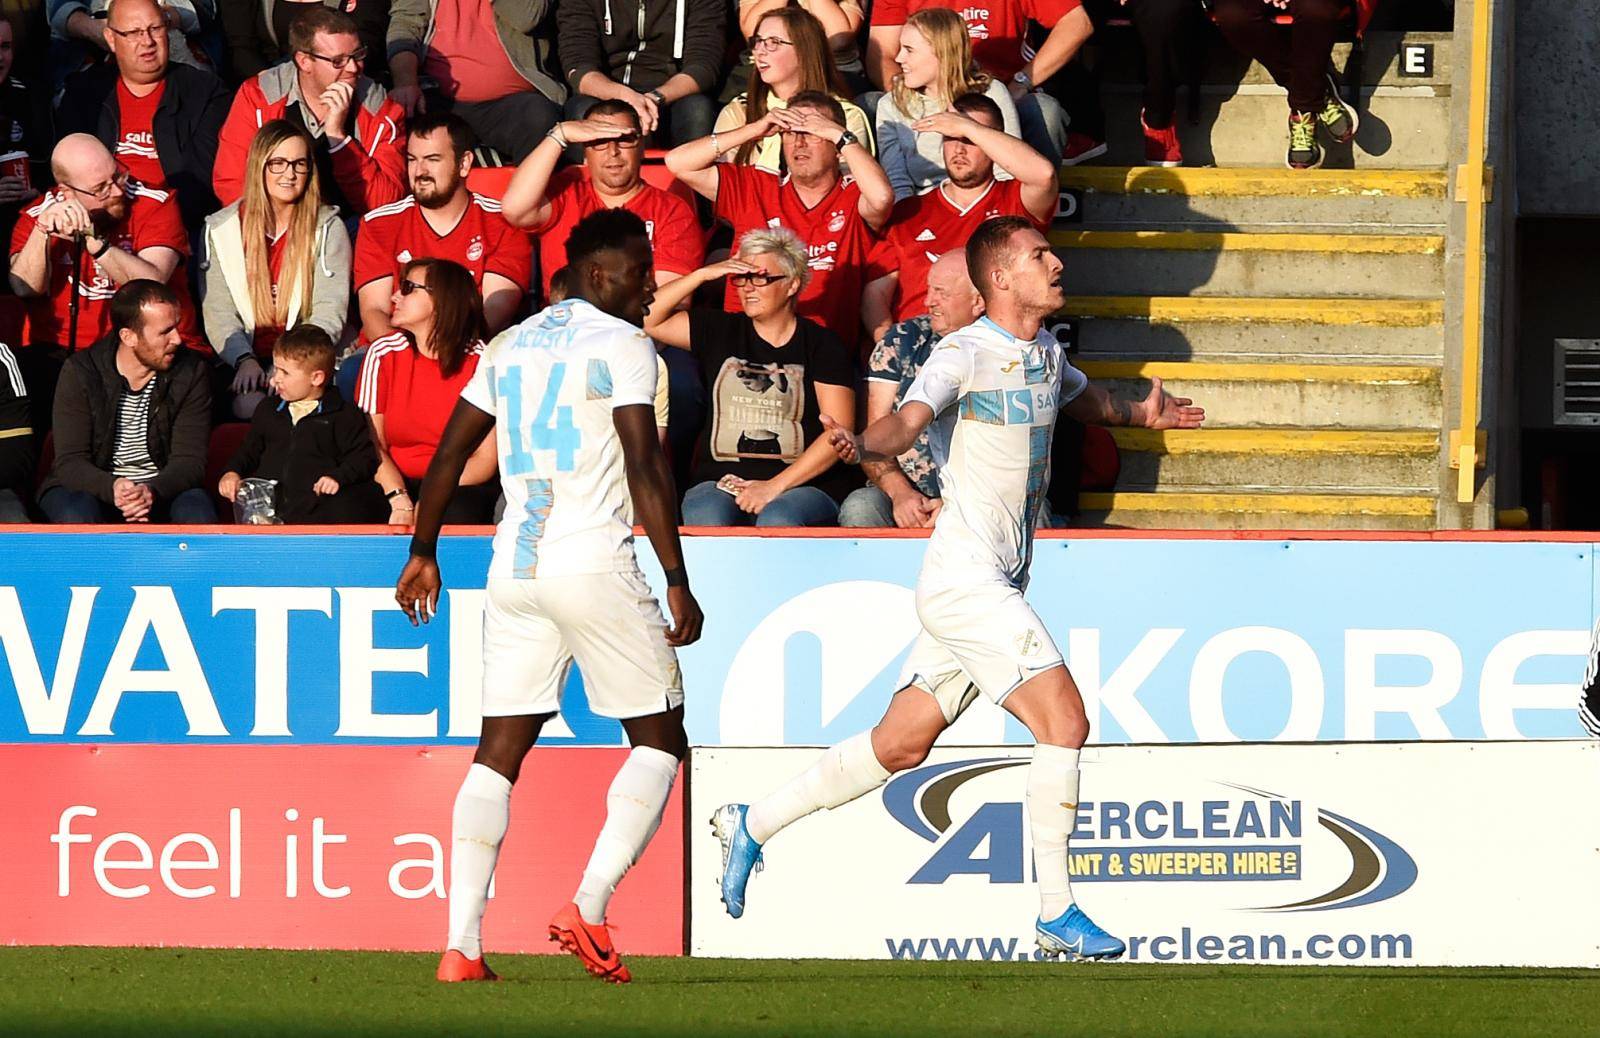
<point>16,132</point>
<point>404,256</point>
<point>774,222</point>
<point>926,235</point>
<point>836,221</point>
<point>475,249</point>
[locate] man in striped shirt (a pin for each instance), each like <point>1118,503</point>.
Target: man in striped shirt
<point>132,421</point>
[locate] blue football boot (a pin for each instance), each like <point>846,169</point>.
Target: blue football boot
<point>741,854</point>
<point>1076,936</point>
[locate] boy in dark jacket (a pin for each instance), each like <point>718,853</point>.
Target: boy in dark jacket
<point>314,445</point>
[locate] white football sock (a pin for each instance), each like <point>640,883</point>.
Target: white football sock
<point>841,774</point>
<point>634,804</point>
<point>482,812</point>
<point>1052,813</point>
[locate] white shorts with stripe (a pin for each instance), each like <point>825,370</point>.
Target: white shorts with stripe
<point>609,623</point>
<point>976,638</point>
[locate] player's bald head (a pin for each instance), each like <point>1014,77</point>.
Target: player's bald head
<point>81,159</point>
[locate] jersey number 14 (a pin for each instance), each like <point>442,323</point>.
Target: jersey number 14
<point>551,429</point>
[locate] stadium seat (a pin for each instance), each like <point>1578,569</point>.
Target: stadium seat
<point>225,439</point>
<point>1102,464</point>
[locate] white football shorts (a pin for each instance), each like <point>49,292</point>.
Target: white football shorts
<point>981,637</point>
<point>609,623</point>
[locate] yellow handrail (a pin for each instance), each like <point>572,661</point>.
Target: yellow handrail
<point>1472,188</point>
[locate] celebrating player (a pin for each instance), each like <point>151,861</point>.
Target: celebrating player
<point>568,395</point>
<point>991,392</point>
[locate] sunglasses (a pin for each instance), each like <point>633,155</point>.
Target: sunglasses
<point>627,142</point>
<point>757,279</point>
<point>407,286</point>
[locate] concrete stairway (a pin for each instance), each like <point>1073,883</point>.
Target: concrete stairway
<point>1303,310</point>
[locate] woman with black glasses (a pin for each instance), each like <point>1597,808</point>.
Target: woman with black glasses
<point>770,375</point>
<point>275,259</point>
<point>410,381</point>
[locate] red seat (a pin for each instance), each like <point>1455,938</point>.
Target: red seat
<point>490,181</point>
<point>225,439</point>
<point>1101,462</point>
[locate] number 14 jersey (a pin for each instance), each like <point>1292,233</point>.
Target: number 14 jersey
<point>551,383</point>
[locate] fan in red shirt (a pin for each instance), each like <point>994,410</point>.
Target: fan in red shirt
<point>410,381</point>
<point>136,147</point>
<point>836,216</point>
<point>926,226</point>
<point>549,205</point>
<point>129,231</point>
<point>444,220</point>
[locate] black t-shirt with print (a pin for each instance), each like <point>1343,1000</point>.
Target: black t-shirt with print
<point>762,400</point>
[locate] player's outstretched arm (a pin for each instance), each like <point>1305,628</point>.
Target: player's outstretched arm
<point>886,439</point>
<point>650,483</point>
<point>418,588</point>
<point>1158,410</point>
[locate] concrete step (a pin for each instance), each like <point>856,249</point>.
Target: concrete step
<point>1380,64</point>
<point>1263,511</point>
<point>1253,396</point>
<point>1310,460</point>
<point>1245,264</point>
<point>1253,199</point>
<point>1401,127</point>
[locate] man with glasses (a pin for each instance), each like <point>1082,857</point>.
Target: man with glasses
<point>664,64</point>
<point>77,30</point>
<point>113,230</point>
<point>441,219</point>
<point>609,178</point>
<point>485,60</point>
<point>925,227</point>
<point>357,128</point>
<point>837,216</point>
<point>160,119</point>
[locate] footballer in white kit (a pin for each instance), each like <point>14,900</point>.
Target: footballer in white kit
<point>988,395</point>
<point>568,395</point>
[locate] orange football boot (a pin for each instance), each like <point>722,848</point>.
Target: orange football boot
<point>591,944</point>
<point>456,966</point>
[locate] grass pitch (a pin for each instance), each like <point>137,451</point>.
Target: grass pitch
<point>103,992</point>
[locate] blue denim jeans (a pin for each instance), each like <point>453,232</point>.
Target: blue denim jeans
<point>190,508</point>
<point>866,508</point>
<point>705,505</point>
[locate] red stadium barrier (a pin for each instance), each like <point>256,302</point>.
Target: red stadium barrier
<point>303,847</point>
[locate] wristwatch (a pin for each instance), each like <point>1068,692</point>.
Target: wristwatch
<point>656,96</point>
<point>1022,79</point>
<point>846,139</point>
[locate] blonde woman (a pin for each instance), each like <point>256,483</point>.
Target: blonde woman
<point>770,375</point>
<point>936,67</point>
<point>275,259</point>
<point>791,56</point>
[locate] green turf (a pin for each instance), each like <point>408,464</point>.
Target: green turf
<point>96,991</point>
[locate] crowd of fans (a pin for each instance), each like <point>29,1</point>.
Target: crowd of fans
<point>306,171</point>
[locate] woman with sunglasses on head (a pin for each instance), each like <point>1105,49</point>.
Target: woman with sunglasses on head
<point>791,55</point>
<point>275,259</point>
<point>410,381</point>
<point>936,67</point>
<point>770,375</point>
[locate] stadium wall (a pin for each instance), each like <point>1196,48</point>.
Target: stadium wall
<point>248,715</point>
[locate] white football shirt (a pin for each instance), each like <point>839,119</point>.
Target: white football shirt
<point>551,383</point>
<point>994,399</point>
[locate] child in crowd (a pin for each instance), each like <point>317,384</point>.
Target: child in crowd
<point>306,438</point>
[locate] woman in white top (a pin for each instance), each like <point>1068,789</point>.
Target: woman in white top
<point>275,259</point>
<point>936,67</point>
<point>791,55</point>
